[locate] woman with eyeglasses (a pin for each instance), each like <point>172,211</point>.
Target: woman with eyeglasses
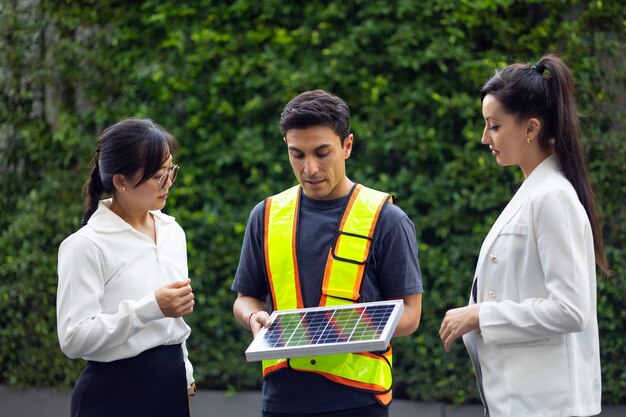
<point>531,326</point>
<point>123,282</point>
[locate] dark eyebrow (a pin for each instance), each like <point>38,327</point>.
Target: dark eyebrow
<point>319,148</point>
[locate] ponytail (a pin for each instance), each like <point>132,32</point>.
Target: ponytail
<point>569,147</point>
<point>93,190</point>
<point>546,90</point>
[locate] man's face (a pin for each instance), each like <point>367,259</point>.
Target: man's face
<point>318,161</point>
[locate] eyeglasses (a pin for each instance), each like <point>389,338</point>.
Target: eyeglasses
<point>171,174</point>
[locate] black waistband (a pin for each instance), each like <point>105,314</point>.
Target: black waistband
<point>160,355</point>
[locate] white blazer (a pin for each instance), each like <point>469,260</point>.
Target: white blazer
<point>536,352</point>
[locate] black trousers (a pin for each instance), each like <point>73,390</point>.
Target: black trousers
<point>151,384</point>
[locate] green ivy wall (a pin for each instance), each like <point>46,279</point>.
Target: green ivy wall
<point>217,74</point>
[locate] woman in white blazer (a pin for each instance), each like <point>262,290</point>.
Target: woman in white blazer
<point>530,327</point>
<point>123,287</point>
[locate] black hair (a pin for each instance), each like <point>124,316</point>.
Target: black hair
<point>316,108</point>
<point>547,92</point>
<point>128,147</point>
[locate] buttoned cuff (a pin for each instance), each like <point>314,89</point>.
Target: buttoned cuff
<point>147,309</point>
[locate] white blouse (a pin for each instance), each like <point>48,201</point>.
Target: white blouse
<point>108,275</point>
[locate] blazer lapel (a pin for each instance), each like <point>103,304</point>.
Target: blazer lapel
<point>543,170</point>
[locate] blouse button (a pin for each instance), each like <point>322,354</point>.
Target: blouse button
<point>491,294</point>
<point>493,258</point>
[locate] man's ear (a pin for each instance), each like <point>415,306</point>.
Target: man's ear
<point>347,146</point>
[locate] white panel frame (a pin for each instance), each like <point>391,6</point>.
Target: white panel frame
<point>260,350</point>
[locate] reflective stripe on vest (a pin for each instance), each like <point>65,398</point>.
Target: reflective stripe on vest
<point>343,275</point>
<point>347,257</point>
<point>281,219</point>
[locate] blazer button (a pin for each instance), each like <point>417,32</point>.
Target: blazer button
<point>493,258</point>
<point>491,294</point>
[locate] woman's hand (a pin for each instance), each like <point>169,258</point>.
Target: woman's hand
<point>175,299</point>
<point>457,322</point>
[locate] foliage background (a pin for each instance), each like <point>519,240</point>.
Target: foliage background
<point>217,74</point>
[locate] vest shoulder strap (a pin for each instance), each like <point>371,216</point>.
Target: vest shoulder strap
<point>279,241</point>
<point>351,248</point>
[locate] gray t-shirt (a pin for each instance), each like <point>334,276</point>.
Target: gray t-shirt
<point>392,272</point>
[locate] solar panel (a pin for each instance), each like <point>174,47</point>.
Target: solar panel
<point>363,327</point>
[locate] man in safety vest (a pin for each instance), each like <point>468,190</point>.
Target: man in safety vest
<point>326,241</point>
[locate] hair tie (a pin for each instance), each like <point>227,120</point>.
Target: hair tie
<point>540,68</point>
<point>543,70</point>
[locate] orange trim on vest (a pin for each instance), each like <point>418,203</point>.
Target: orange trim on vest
<point>357,284</point>
<point>384,399</point>
<point>300,302</point>
<point>327,269</point>
<point>370,355</point>
<point>270,369</point>
<point>266,222</point>
<point>349,205</point>
<point>383,356</point>
<point>361,268</point>
<point>329,258</point>
<point>349,382</point>
<point>389,351</point>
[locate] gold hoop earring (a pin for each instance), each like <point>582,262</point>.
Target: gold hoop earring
<point>528,140</point>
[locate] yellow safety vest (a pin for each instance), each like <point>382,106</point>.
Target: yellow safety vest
<point>343,275</point>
